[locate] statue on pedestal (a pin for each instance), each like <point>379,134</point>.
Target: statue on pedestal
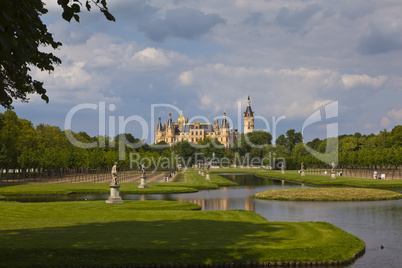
<point>302,168</point>
<point>114,188</point>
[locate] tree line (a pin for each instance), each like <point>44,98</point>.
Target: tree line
<point>45,151</point>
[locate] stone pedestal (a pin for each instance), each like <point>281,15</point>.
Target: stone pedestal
<point>283,172</point>
<point>143,183</point>
<point>202,173</point>
<point>114,194</point>
<point>207,177</point>
<point>302,173</point>
<point>333,175</point>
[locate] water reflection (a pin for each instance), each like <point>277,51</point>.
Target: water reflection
<point>236,197</point>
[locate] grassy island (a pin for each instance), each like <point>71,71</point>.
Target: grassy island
<point>329,194</point>
<point>159,232</point>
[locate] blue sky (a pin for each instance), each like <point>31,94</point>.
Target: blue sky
<point>204,57</point>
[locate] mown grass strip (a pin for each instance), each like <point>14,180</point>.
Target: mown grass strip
<point>329,194</point>
<point>151,232</point>
<point>325,180</point>
<point>317,180</point>
<point>192,183</point>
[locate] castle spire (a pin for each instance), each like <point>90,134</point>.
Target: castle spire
<point>170,120</point>
<point>160,124</point>
<point>248,117</point>
<point>224,122</point>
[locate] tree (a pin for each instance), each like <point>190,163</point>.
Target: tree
<point>186,152</point>
<point>281,140</point>
<point>259,137</point>
<point>9,136</point>
<point>292,138</point>
<point>22,33</point>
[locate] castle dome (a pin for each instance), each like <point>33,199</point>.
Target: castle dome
<point>181,119</point>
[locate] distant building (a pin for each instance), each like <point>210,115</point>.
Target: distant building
<point>181,130</point>
<point>248,118</point>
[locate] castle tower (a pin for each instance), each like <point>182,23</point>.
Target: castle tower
<point>248,118</point>
<point>225,135</point>
<point>159,132</point>
<point>170,130</point>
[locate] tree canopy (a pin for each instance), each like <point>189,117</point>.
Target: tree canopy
<point>22,35</point>
<point>292,138</point>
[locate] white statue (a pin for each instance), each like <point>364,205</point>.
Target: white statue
<point>143,170</point>
<point>114,174</point>
<point>333,167</point>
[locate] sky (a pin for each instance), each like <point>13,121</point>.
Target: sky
<point>320,67</point>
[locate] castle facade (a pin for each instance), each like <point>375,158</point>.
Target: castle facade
<point>181,130</point>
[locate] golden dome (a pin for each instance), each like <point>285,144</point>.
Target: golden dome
<point>181,119</point>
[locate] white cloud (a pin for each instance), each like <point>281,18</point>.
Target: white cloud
<point>321,103</point>
<point>186,78</point>
<point>385,122</point>
<point>395,114</point>
<point>354,80</point>
<point>151,57</point>
<point>291,92</point>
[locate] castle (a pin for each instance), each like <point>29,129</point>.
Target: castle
<point>181,130</point>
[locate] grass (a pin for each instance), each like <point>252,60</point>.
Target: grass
<point>329,194</point>
<point>192,183</point>
<point>318,180</point>
<point>158,232</point>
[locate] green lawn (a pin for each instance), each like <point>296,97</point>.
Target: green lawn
<point>192,183</point>
<point>317,180</point>
<point>158,232</point>
<point>329,194</point>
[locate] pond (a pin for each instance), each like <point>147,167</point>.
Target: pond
<point>376,222</point>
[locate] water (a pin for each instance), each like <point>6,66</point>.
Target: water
<point>376,222</point>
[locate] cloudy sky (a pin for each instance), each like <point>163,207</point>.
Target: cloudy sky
<point>204,57</point>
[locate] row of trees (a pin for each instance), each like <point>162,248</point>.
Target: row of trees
<point>45,150</point>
